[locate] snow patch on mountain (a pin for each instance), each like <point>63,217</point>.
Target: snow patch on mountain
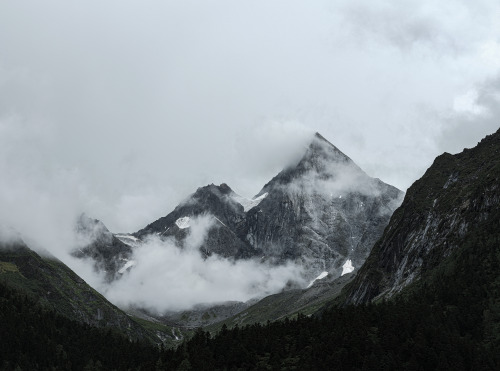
<point>320,277</point>
<point>128,239</point>
<point>249,203</point>
<point>183,222</point>
<point>123,236</point>
<point>128,264</point>
<point>220,221</point>
<point>347,267</point>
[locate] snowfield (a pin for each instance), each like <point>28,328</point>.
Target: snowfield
<point>248,203</point>
<point>183,222</point>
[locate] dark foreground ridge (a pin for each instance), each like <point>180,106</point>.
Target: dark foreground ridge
<point>57,288</point>
<point>458,196</point>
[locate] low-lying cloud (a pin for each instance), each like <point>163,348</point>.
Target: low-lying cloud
<point>166,277</point>
<point>124,118</point>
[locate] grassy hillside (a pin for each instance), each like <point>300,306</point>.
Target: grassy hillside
<point>287,304</point>
<point>53,285</point>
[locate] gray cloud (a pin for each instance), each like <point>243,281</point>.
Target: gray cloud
<point>476,114</point>
<point>121,110</point>
<point>166,277</point>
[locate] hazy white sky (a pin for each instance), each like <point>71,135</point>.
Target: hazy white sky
<point>122,108</point>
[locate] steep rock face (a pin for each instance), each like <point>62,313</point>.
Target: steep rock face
<point>225,217</point>
<point>440,210</point>
<point>320,212</point>
<point>323,211</point>
<point>110,255</point>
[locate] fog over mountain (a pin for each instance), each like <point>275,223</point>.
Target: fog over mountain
<point>319,216</point>
<point>119,109</point>
<point>122,117</point>
<point>165,277</point>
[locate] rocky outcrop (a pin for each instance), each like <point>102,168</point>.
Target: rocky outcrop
<point>226,218</point>
<point>439,212</point>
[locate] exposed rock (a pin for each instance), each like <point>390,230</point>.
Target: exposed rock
<point>455,195</point>
<point>110,254</point>
<point>322,211</point>
<point>319,213</point>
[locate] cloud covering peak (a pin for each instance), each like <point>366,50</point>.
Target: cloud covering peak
<point>118,108</point>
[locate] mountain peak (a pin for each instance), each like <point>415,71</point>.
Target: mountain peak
<point>322,148</point>
<point>225,189</point>
<point>317,135</point>
<point>218,190</point>
<point>321,158</point>
<point>90,226</point>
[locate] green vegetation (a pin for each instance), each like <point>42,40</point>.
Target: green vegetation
<point>56,287</point>
<point>449,319</point>
<point>171,336</point>
<point>6,267</point>
<point>33,337</point>
<point>286,304</point>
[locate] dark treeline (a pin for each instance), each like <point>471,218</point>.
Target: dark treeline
<point>451,320</point>
<point>33,337</point>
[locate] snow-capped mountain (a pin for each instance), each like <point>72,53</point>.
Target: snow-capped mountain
<point>321,212</point>
<point>226,217</point>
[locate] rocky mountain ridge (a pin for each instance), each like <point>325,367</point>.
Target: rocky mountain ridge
<point>109,253</point>
<point>323,213</point>
<point>456,195</point>
<point>319,213</point>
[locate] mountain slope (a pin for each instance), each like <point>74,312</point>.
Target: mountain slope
<point>110,254</point>
<point>435,277</point>
<point>54,285</point>
<point>226,214</point>
<point>287,304</point>
<point>320,213</point>
<point>34,337</point>
<point>441,212</point>
<point>323,211</point>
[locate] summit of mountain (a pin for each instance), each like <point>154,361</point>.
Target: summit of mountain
<point>320,212</point>
<point>320,156</point>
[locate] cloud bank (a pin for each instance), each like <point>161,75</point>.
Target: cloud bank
<point>166,277</point>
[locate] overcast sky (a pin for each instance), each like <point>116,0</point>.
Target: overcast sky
<point>123,108</point>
